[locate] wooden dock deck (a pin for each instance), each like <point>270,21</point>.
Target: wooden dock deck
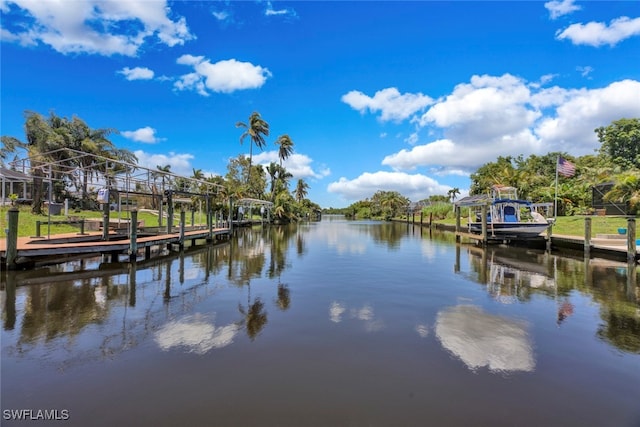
<point>31,249</point>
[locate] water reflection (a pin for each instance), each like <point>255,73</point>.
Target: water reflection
<point>89,297</point>
<point>517,275</point>
<point>365,313</point>
<point>480,339</point>
<point>196,333</point>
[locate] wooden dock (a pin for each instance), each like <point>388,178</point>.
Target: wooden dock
<point>36,249</point>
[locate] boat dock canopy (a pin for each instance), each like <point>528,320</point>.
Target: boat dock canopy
<point>246,202</point>
<point>477,200</point>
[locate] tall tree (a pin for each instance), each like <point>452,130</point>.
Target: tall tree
<point>285,147</point>
<point>256,129</point>
<point>621,141</point>
<point>453,193</point>
<point>301,190</point>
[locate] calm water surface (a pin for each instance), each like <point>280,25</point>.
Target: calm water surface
<point>334,323</point>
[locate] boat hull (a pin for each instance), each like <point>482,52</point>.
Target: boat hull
<point>511,230</point>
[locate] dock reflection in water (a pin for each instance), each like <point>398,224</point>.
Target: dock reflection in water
<point>331,323</point>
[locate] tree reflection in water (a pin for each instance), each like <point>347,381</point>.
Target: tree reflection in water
<point>517,274</point>
<point>284,299</point>
<point>117,303</point>
<point>254,318</point>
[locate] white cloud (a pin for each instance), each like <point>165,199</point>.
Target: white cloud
<point>137,73</point>
<point>448,154</point>
<point>560,8</point>
<point>486,100</point>
<point>125,26</point>
<point>415,187</point>
<point>389,102</point>
<point>224,76</point>
<point>572,127</point>
<point>180,162</point>
<point>298,165</point>
<point>412,139</point>
<point>146,135</point>
<point>500,116</point>
<point>598,33</point>
<point>270,11</point>
<point>585,71</point>
<point>221,16</point>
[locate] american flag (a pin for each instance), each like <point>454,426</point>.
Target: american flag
<point>566,168</point>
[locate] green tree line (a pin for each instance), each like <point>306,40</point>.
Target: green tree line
<point>46,139</point>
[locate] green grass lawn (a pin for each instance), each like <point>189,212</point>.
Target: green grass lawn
<point>27,221</point>
<point>574,225</point>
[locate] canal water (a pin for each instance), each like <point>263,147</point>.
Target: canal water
<point>334,323</point>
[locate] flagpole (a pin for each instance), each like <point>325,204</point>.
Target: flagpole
<point>555,205</point>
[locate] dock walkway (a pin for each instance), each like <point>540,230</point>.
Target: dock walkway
<point>30,249</point>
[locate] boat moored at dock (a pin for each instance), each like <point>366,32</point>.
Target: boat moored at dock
<point>507,216</point>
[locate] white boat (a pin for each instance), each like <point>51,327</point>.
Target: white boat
<point>508,217</point>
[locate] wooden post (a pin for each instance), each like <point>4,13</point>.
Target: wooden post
<point>631,239</point>
<point>160,210</point>
<point>549,234</point>
<point>230,215</point>
<point>182,220</point>
<point>210,224</point>
<point>38,225</point>
<point>133,237</point>
<point>457,211</point>
<point>430,219</point>
<point>147,252</point>
<point>105,220</point>
<point>169,212</point>
<point>483,210</point>
<point>421,217</point>
<point>12,237</point>
<point>587,236</point>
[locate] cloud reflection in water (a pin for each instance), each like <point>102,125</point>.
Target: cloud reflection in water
<point>481,339</point>
<point>196,334</point>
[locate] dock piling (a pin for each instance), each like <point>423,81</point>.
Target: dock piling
<point>133,238</point>
<point>484,224</point>
<point>587,236</point>
<point>12,237</point>
<point>631,239</point>
<point>182,223</point>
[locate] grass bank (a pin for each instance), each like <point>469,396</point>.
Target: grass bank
<point>570,225</point>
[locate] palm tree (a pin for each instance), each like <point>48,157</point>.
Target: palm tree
<point>256,129</point>
<point>9,145</point>
<point>272,170</point>
<point>198,174</point>
<point>285,147</point>
<point>453,193</point>
<point>301,190</point>
<point>626,190</point>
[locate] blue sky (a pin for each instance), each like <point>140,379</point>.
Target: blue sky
<point>404,96</point>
